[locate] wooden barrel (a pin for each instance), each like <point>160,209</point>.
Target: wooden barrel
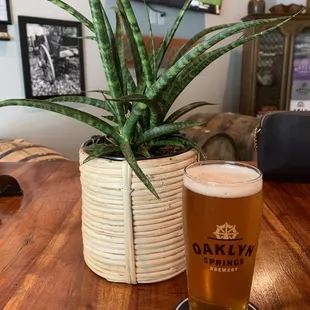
<point>216,145</point>
<point>239,127</point>
<point>24,151</point>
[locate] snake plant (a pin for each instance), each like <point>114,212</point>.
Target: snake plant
<point>138,103</point>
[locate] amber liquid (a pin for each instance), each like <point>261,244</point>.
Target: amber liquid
<point>220,271</point>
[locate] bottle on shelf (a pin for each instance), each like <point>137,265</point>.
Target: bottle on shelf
<point>256,7</point>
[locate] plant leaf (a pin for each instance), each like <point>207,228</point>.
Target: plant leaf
<point>200,63</point>
<point>184,49</point>
<point>146,66</point>
<point>165,44</point>
<point>132,98</point>
<point>156,114</point>
<point>74,13</point>
<point>119,41</point>
<point>153,52</point>
<point>132,43</point>
<point>138,131</point>
<point>84,117</point>
<point>165,130</point>
<point>113,46</point>
<point>131,123</point>
<point>107,57</point>
<point>144,152</point>
<point>178,141</point>
<point>111,106</point>
<point>155,108</point>
<point>130,157</point>
<point>127,80</point>
<point>83,100</point>
<point>177,114</point>
<point>104,92</point>
<point>97,150</point>
<point>145,120</point>
<point>156,91</point>
<point>88,38</point>
<point>110,118</point>
<point>170,74</point>
<point>138,109</point>
<point>109,30</point>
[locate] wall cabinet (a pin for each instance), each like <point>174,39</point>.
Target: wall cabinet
<point>276,67</point>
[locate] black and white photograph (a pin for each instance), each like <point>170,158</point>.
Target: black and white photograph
<point>52,56</point>
<point>5,12</point>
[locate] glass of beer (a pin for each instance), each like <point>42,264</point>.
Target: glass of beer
<point>222,211</point>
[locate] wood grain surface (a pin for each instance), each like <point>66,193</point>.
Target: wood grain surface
<point>42,267</point>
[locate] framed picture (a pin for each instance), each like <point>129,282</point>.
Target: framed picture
<point>52,57</point>
<point>5,12</point>
<point>206,6</point>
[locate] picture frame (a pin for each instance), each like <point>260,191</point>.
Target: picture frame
<point>52,57</point>
<point>5,12</point>
<point>207,6</point>
<point>204,6</point>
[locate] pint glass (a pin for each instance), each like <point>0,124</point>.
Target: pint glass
<point>222,211</point>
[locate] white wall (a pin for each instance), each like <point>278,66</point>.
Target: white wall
<point>219,83</point>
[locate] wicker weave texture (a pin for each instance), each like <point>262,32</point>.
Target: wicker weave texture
<point>128,235</point>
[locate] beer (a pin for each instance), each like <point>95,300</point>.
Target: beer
<point>222,211</point>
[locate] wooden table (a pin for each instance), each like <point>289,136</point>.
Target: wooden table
<point>42,267</point>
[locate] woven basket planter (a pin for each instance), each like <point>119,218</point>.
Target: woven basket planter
<point>128,235</point>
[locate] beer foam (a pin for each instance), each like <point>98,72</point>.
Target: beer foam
<point>223,180</point>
